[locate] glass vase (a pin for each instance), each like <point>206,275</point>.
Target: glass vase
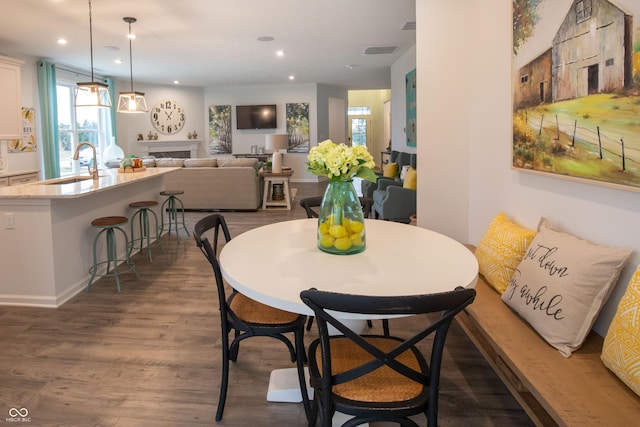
<point>341,228</point>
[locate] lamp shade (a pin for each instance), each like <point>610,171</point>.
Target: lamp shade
<point>92,94</point>
<point>276,141</point>
<point>132,102</point>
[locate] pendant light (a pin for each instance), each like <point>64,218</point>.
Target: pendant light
<point>92,94</point>
<point>131,102</point>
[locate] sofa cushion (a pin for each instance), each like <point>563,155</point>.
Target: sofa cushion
<point>501,249</point>
<point>149,162</point>
<point>411,179</point>
<point>621,349</point>
<point>390,170</point>
<point>224,163</point>
<point>561,285</point>
<point>168,163</point>
<point>201,163</point>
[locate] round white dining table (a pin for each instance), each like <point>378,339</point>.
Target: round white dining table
<point>272,264</point>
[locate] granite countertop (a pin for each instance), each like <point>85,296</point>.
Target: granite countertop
<point>51,189</point>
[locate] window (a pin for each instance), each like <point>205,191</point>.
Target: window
<point>583,10</point>
<point>359,111</point>
<point>76,125</point>
<point>609,62</point>
<point>524,78</point>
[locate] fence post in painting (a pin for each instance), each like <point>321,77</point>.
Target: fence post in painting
<point>623,160</point>
<point>541,121</point>
<point>573,139</point>
<point>599,142</point>
<point>557,129</point>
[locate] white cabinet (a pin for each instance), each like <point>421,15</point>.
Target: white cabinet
<point>10,103</point>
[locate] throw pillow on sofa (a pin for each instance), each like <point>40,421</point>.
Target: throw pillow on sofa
<point>169,163</point>
<point>621,349</point>
<point>410,179</point>
<point>390,170</point>
<point>501,249</point>
<point>237,163</point>
<point>561,285</point>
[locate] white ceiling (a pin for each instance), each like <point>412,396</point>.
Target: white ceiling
<point>214,42</point>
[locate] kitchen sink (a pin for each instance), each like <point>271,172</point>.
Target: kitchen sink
<point>67,180</point>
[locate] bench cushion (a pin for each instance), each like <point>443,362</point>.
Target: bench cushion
<point>621,350</point>
<point>501,249</point>
<point>561,285</point>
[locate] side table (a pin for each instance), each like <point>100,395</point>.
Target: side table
<point>276,178</point>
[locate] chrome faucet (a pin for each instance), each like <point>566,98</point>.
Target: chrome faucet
<point>76,155</point>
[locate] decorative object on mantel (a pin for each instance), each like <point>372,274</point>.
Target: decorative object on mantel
<point>189,135</point>
<point>150,136</point>
<point>140,137</point>
<point>341,227</point>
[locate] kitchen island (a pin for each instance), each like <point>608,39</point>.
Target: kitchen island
<point>46,235</point>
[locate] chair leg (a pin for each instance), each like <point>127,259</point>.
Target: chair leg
<point>224,381</point>
<point>300,359</point>
<point>309,323</point>
<point>385,326</point>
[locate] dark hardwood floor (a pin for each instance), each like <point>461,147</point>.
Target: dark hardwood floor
<point>150,356</point>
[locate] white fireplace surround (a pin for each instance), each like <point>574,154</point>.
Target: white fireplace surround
<point>158,146</point>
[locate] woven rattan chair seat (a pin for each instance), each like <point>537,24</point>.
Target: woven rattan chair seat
<point>251,311</point>
<point>382,385</point>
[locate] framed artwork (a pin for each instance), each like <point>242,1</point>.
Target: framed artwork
<point>220,129</point>
<point>410,90</point>
<point>27,143</point>
<point>298,127</point>
<point>576,90</point>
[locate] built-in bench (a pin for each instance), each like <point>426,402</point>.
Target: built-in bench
<point>552,389</point>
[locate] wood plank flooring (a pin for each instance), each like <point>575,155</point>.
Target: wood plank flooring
<point>151,357</point>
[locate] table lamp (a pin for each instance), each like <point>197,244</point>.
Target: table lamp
<point>273,144</point>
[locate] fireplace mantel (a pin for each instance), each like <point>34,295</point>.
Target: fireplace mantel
<point>160,146</point>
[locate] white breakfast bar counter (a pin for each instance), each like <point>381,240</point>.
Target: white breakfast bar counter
<point>46,235</point>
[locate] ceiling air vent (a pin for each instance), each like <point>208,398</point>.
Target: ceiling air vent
<point>409,25</point>
<point>379,50</point>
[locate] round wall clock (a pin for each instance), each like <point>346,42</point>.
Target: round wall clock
<point>168,117</point>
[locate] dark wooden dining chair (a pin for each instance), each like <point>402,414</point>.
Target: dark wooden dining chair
<point>245,317</point>
<point>378,377</point>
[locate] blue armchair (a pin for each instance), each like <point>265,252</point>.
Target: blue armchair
<point>399,157</point>
<point>391,201</point>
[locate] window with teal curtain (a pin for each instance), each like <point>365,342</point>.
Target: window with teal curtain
<point>48,119</point>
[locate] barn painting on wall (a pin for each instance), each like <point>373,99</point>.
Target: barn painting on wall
<point>576,89</point>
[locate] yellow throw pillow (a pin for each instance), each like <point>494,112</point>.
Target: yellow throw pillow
<point>411,179</point>
<point>501,249</point>
<point>390,170</point>
<point>621,349</point>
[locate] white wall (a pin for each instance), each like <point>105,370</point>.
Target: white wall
<point>128,126</point>
<point>465,162</point>
<point>399,70</point>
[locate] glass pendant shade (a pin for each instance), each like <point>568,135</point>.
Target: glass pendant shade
<point>132,102</point>
<point>92,94</point>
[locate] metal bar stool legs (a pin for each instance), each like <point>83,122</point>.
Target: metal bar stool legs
<point>172,205</point>
<point>108,226</point>
<point>141,216</point>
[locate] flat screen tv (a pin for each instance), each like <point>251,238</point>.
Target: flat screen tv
<point>256,117</point>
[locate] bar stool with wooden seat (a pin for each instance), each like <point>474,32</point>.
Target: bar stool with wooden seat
<point>171,205</point>
<point>109,225</point>
<point>141,216</point>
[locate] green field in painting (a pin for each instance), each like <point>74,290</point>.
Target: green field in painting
<point>610,118</point>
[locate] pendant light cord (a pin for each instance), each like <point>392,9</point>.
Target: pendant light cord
<point>130,58</point>
<point>91,40</point>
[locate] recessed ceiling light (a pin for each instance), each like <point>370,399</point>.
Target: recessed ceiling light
<point>118,61</point>
<point>280,53</point>
<point>62,41</point>
<point>265,39</point>
<point>292,77</point>
<point>176,82</point>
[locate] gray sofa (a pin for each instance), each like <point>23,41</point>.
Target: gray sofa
<point>215,184</point>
